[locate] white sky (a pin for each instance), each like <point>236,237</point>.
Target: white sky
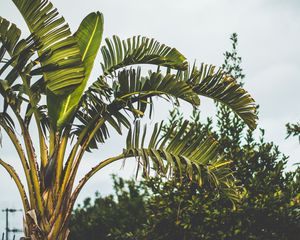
<point>269,34</point>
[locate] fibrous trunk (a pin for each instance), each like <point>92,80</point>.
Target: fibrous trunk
<point>52,225</point>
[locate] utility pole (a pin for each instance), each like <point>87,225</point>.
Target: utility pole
<point>7,229</point>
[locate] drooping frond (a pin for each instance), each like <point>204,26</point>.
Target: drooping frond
<point>85,120</point>
<point>139,50</point>
<point>133,93</point>
<point>19,51</point>
<point>215,84</point>
<point>93,112</point>
<point>17,54</point>
<point>131,87</point>
<point>178,153</point>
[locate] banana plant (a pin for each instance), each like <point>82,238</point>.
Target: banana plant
<point>43,82</point>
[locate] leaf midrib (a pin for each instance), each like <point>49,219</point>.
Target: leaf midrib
<point>90,40</point>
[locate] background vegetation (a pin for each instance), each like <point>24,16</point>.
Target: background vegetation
<point>164,209</point>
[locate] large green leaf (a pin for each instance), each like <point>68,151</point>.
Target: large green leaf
<point>88,37</point>
<point>139,50</point>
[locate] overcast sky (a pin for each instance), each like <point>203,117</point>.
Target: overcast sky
<point>269,34</point>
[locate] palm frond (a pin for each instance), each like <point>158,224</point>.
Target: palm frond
<point>132,93</point>
<point>19,54</point>
<point>139,50</point>
<point>18,51</point>
<point>175,154</point>
<point>101,135</point>
<point>136,92</point>
<point>215,84</point>
<point>89,115</point>
<point>93,106</point>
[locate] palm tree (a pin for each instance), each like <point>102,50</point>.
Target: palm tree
<point>44,88</point>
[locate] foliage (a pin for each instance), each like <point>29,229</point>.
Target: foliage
<point>43,82</point>
<point>116,216</point>
<point>293,130</point>
<point>269,207</point>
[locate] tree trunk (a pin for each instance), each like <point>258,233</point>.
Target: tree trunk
<point>52,225</point>
<point>39,234</point>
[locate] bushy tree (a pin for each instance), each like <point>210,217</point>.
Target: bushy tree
<point>116,216</point>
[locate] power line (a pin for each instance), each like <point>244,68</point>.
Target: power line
<point>7,229</point>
